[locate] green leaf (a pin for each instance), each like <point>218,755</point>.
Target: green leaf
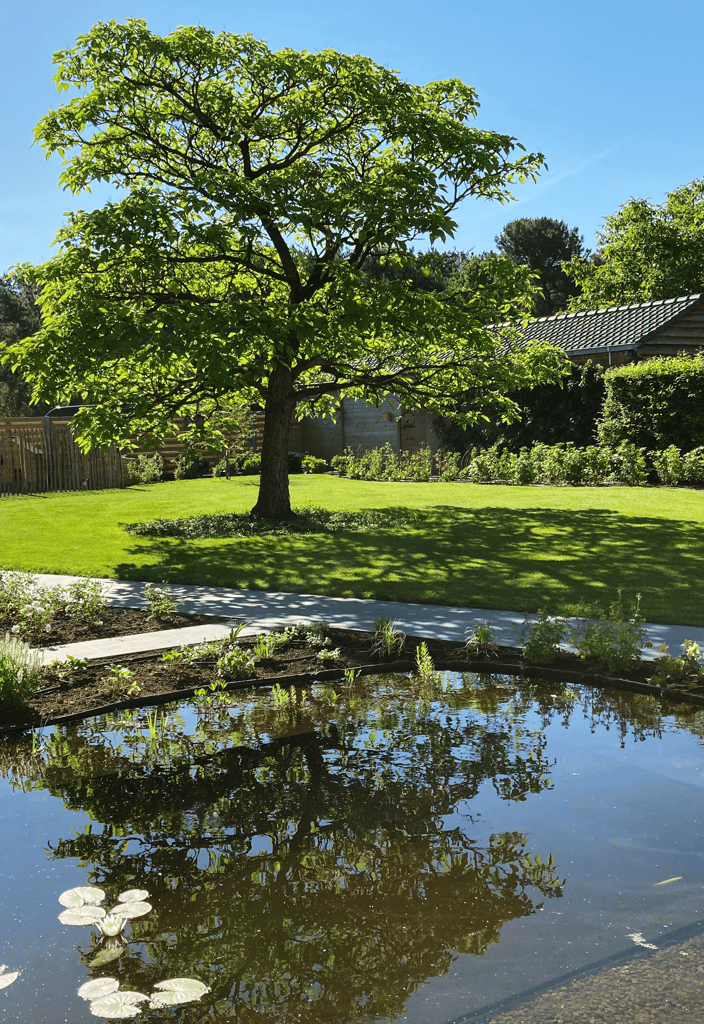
<point>81,915</point>
<point>177,990</point>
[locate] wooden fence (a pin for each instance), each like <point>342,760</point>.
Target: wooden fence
<point>38,454</point>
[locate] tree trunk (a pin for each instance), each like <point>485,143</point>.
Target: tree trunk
<point>274,501</point>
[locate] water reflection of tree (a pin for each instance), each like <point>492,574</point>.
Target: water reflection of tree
<point>317,876</point>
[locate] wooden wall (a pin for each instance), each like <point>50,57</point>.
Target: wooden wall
<point>38,455</point>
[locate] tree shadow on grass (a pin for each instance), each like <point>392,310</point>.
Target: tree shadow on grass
<point>517,559</point>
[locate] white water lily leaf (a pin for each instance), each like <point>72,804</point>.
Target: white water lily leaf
<point>107,954</point>
<point>7,979</point>
<point>177,990</point>
<point>81,915</point>
<point>98,988</point>
<point>133,909</point>
<point>80,895</point>
<point>133,896</point>
<point>118,1005</point>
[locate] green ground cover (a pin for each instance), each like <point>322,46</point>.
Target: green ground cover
<point>518,548</point>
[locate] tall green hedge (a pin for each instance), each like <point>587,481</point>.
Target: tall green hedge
<point>654,404</point>
<point>550,414</point>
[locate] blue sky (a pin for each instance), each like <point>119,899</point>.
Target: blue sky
<point>611,92</point>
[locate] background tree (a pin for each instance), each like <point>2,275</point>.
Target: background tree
<point>258,185</point>
<point>545,245</point>
<point>646,251</point>
<point>19,318</point>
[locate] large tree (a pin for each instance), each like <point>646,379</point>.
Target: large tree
<point>255,187</point>
<point>646,251</point>
<point>545,245</point>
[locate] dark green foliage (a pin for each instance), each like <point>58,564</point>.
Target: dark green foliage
<point>550,414</point>
<point>189,466</point>
<point>306,520</point>
<point>544,244</point>
<point>19,318</point>
<point>654,404</point>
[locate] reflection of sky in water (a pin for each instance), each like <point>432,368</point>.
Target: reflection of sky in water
<point>617,820</point>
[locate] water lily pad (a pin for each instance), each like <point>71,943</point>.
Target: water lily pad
<point>80,895</point>
<point>133,909</point>
<point>117,1005</point>
<point>81,915</point>
<point>177,990</point>
<point>98,988</point>
<point>107,954</point>
<point>7,979</point>
<point>133,895</point>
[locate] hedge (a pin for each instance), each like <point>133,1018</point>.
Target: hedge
<point>655,404</point>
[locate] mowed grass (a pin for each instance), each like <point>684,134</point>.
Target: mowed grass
<point>515,548</point>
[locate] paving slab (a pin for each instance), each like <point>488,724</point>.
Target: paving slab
<point>267,610</point>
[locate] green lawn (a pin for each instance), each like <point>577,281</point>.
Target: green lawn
<point>519,548</point>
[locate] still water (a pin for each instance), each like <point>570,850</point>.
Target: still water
<point>375,853</point>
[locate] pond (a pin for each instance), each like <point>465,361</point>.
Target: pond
<point>366,853</point>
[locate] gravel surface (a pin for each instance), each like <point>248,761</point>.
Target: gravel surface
<point>662,987</point>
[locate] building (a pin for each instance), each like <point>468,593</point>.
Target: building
<point>622,334</point>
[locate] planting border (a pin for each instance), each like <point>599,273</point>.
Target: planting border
<point>516,667</point>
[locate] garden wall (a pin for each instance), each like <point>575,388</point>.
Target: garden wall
<point>38,455</point>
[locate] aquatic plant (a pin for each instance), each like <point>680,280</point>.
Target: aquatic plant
<point>388,639</point>
<point>541,638</point>
<point>482,638</point>
<point>615,638</point>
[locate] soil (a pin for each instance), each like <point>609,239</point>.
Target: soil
<point>112,622</point>
<point>68,693</point>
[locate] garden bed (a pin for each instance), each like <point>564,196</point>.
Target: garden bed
<point>72,691</point>
<point>113,622</point>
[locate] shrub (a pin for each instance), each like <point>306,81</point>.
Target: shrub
<point>448,465</point>
<point>145,469</point>
<point>20,670</point>
<point>693,466</point>
<point>654,404</point>
<point>85,601</point>
<point>668,465</point>
<point>161,602</point>
<point>295,461</point>
<point>615,638</point>
<point>189,466</point>
<point>541,639</point>
<point>630,465</point>
<point>313,465</point>
<point>251,464</point>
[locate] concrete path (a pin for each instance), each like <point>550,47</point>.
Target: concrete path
<point>264,611</point>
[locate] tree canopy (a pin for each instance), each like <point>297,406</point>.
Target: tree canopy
<point>646,251</point>
<point>544,245</point>
<point>19,318</point>
<point>255,186</point>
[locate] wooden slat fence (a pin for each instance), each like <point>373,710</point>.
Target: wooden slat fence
<point>39,455</point>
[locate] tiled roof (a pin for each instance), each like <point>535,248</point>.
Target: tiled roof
<point>618,327</point>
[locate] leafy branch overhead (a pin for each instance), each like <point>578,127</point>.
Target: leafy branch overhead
<point>258,187</point>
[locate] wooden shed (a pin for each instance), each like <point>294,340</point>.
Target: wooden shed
<point>621,334</point>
